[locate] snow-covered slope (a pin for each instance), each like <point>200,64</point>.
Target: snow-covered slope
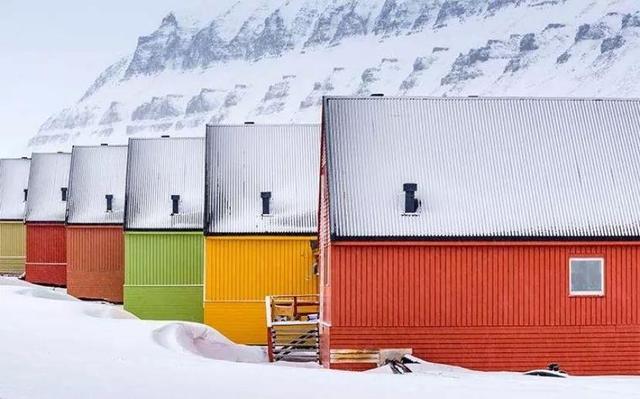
<point>273,60</point>
<point>53,346</point>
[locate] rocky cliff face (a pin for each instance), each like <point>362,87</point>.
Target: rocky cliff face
<point>272,61</point>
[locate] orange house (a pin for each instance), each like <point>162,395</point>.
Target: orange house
<point>95,215</point>
<point>489,233</point>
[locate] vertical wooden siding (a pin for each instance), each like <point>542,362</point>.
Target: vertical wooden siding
<point>249,269</point>
<point>609,350</point>
<point>166,259</point>
<point>163,275</point>
<point>242,271</point>
<point>12,247</point>
<point>490,300</point>
<point>95,262</point>
<point>479,286</point>
<point>46,254</point>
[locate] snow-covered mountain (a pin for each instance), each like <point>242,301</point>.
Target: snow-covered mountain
<point>273,60</point>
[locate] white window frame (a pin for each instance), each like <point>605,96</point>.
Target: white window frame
<point>602,279</point>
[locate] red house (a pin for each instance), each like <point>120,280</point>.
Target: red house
<point>489,233</point>
<point>46,257</point>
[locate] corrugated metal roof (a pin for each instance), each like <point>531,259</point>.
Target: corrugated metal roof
<point>158,169</point>
<point>244,161</point>
<point>48,175</point>
<point>96,172</point>
<point>14,179</point>
<point>485,167</point>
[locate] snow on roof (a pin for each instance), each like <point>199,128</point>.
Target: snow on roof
<point>157,170</point>
<point>48,178</point>
<point>484,167</point>
<point>14,179</point>
<point>245,161</point>
<point>96,172</point>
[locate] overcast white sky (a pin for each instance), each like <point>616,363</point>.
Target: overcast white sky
<point>52,50</point>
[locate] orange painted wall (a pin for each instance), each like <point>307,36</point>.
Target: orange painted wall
<point>488,306</point>
<point>95,262</point>
<point>46,258</point>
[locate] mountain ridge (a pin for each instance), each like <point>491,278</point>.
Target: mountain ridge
<point>272,61</point>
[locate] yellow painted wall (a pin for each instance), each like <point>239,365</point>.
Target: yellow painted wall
<point>12,247</point>
<point>241,271</point>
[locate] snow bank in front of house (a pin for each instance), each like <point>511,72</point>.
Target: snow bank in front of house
<point>428,368</point>
<point>12,281</point>
<point>74,349</point>
<point>46,294</point>
<point>204,341</point>
<point>103,311</point>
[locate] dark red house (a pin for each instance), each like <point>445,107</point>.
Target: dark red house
<point>46,252</point>
<point>494,234</point>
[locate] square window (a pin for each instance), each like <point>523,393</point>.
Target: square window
<point>586,276</point>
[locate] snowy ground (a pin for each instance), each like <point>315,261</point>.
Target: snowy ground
<point>53,346</point>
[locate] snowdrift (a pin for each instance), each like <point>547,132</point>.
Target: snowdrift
<point>46,294</point>
<point>204,341</point>
<point>101,311</point>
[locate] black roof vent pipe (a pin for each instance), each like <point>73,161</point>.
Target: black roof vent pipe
<point>249,123</point>
<point>26,194</point>
<point>63,191</point>
<point>377,95</point>
<point>109,198</point>
<point>411,204</point>
<point>175,205</point>
<point>266,202</point>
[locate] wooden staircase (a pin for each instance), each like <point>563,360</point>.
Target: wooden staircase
<point>295,343</point>
<point>292,325</point>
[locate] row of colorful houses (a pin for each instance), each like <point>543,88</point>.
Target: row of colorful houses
<point>126,224</point>
<point>490,233</point>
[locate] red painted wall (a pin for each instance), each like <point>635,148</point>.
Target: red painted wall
<point>46,259</point>
<point>486,306</point>
<point>95,262</point>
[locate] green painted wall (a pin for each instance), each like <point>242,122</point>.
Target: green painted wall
<point>163,275</point>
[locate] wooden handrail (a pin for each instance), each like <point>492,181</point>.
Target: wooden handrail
<point>296,308</point>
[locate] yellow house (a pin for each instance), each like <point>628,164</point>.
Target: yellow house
<point>14,179</point>
<point>261,209</point>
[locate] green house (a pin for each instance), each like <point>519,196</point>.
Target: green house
<point>164,205</point>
